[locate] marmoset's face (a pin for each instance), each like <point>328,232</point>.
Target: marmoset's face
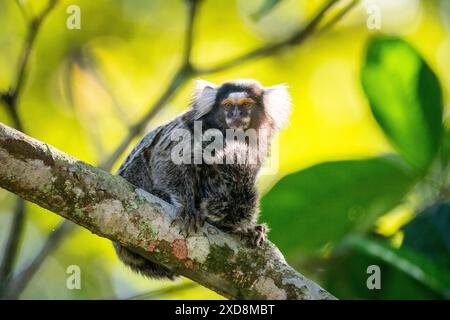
<point>239,104</point>
<point>238,108</point>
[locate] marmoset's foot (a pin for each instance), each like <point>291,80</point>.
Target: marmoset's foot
<point>255,235</point>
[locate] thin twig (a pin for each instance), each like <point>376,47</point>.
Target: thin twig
<point>333,21</point>
<point>269,49</point>
<point>188,41</point>
<point>22,10</point>
<point>86,61</point>
<point>11,102</point>
<point>33,29</point>
<point>179,79</point>
<point>12,244</point>
<point>12,110</point>
<point>18,284</point>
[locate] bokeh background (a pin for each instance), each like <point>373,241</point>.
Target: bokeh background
<point>363,175</point>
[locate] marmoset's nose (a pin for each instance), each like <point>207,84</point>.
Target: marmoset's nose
<point>235,113</point>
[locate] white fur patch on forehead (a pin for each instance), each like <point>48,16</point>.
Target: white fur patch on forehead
<point>237,95</point>
<point>203,97</point>
<point>277,103</point>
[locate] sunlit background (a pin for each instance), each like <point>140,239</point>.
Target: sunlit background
<point>86,87</point>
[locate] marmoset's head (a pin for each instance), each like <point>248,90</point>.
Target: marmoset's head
<point>241,104</point>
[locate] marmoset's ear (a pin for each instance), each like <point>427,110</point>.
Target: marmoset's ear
<point>203,97</point>
<point>277,104</point>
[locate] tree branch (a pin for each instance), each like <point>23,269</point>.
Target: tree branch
<point>111,207</point>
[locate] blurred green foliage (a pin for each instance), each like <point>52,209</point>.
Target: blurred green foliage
<point>405,98</point>
<point>350,194</point>
<point>367,126</point>
<point>428,234</point>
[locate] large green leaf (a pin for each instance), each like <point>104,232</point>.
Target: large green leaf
<point>345,273</point>
<point>411,262</point>
<point>405,98</point>
<point>320,205</point>
<point>429,234</point>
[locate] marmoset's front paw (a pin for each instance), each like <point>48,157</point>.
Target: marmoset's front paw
<point>259,234</point>
<point>189,221</point>
<point>255,235</point>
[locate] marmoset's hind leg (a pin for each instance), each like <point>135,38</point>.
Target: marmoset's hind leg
<point>188,218</point>
<point>141,265</point>
<point>138,263</point>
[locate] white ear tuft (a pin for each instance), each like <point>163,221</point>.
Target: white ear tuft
<point>277,103</point>
<point>203,97</point>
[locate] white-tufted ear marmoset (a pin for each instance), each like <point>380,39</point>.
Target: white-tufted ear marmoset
<point>219,186</point>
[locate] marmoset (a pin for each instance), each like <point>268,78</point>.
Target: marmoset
<point>208,179</point>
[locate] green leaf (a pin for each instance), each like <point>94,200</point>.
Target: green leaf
<point>405,98</point>
<point>345,275</point>
<point>320,205</point>
<point>411,262</point>
<point>429,234</point>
